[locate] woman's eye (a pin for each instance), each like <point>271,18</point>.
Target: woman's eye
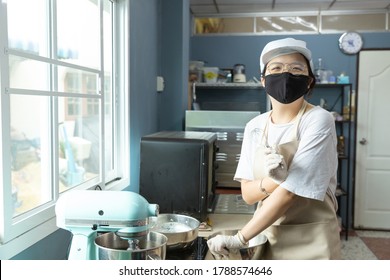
<point>298,68</point>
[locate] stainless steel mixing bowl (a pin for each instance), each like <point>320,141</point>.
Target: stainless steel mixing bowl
<point>253,251</point>
<point>113,247</point>
<point>181,230</point>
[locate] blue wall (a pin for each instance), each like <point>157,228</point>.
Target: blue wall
<point>175,38</point>
<point>53,247</point>
<point>144,68</point>
<point>159,38</point>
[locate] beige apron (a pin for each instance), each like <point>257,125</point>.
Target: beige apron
<point>309,229</point>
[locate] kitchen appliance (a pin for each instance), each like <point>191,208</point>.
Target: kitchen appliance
<point>180,230</point>
<point>113,247</point>
<point>87,214</point>
<point>177,171</point>
<point>229,127</point>
<point>239,73</point>
<point>197,251</point>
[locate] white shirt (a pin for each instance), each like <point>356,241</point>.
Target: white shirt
<point>313,170</point>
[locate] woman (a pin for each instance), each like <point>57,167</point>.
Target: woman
<point>288,164</point>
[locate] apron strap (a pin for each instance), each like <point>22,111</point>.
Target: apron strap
<point>294,131</point>
<point>298,118</point>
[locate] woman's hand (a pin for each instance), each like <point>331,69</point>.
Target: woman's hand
<point>275,166</point>
<point>220,244</point>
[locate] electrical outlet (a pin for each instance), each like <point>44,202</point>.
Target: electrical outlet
<point>160,84</point>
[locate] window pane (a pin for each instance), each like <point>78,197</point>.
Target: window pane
<point>287,24</point>
<point>79,140</point>
<point>78,32</point>
<point>224,25</point>
<point>354,22</point>
<point>29,74</point>
<point>30,152</point>
<point>71,80</point>
<point>35,75</point>
<point>29,34</point>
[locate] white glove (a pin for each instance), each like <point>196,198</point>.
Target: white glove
<point>220,244</point>
<point>275,166</point>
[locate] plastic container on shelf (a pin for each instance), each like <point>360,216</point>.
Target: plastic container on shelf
<point>210,74</point>
<point>196,65</point>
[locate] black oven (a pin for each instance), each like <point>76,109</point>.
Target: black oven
<point>177,172</point>
<point>229,127</point>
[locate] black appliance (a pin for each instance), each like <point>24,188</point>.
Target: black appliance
<point>197,251</point>
<point>177,172</point>
<point>229,127</point>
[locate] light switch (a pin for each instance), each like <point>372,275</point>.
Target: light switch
<point>160,83</point>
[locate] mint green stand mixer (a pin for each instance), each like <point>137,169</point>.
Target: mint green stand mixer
<point>89,214</point>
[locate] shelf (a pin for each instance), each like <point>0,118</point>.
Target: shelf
<point>332,85</point>
<point>343,121</point>
<point>338,97</point>
<point>253,85</point>
<point>249,85</point>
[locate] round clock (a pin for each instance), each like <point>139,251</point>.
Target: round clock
<point>351,42</point>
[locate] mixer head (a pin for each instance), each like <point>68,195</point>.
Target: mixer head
<point>122,211</point>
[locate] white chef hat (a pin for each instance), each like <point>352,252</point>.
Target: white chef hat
<point>281,47</point>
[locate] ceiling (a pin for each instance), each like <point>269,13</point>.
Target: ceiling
<point>215,7</point>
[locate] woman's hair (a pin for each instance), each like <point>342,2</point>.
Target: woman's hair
<point>311,74</point>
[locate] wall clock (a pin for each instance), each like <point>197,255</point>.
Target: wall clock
<point>350,42</point>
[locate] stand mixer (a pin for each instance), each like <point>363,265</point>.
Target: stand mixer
<point>86,213</point>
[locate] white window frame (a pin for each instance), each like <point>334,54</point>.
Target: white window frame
<point>19,234</point>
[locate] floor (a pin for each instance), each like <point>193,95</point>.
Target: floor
<point>366,245</point>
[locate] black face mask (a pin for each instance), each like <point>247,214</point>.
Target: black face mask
<point>286,87</point>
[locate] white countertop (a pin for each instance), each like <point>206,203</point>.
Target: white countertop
<point>225,222</point>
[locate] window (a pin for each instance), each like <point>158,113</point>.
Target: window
<point>63,118</point>
<point>297,24</point>
<point>224,25</point>
<point>292,23</point>
<point>362,22</point>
